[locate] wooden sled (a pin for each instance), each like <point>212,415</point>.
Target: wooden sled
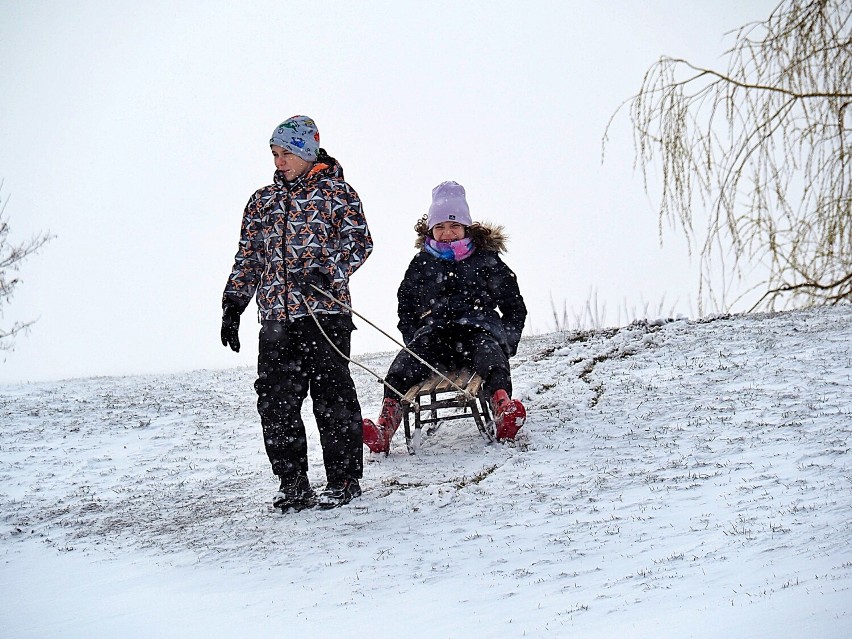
<point>437,394</point>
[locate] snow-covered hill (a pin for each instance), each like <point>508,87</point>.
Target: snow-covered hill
<point>674,479</point>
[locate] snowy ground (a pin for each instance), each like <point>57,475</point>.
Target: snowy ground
<point>682,479</point>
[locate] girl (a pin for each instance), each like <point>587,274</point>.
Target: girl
<point>448,303</point>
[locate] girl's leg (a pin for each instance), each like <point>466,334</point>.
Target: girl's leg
<point>491,363</point>
<point>405,371</point>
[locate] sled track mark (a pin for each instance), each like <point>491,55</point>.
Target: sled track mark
<point>617,343</point>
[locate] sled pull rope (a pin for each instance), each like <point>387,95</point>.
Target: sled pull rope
<point>390,337</point>
<point>349,359</point>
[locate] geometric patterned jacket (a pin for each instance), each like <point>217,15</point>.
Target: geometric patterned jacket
<point>315,222</point>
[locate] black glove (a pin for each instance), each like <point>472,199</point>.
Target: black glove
<point>513,337</point>
<point>314,277</point>
<point>231,325</point>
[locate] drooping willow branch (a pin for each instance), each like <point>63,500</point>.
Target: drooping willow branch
<point>759,154</point>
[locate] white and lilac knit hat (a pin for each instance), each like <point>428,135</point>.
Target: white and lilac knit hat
<point>448,205</point>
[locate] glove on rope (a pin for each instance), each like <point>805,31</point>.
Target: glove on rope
<point>316,278</point>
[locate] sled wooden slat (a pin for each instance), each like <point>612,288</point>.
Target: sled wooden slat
<point>437,394</point>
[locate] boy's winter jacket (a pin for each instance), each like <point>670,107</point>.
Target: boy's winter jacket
<point>289,229</point>
<point>439,294</point>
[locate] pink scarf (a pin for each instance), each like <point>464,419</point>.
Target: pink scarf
<point>450,251</point>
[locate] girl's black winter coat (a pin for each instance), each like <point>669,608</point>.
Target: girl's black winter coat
<point>442,294</point>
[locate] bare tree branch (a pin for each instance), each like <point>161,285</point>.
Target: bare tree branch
<point>11,257</point>
<point>760,154</point>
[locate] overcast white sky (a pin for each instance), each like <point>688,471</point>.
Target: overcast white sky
<point>136,132</point>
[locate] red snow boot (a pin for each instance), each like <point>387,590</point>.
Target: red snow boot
<point>509,415</point>
<point>378,437</point>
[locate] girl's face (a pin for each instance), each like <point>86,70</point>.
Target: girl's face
<point>290,164</point>
<point>448,232</point>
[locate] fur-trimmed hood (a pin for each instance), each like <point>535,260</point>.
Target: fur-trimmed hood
<point>485,236</point>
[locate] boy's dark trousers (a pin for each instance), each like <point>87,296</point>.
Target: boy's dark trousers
<point>294,358</point>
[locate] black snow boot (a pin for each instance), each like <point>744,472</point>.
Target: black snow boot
<point>295,493</point>
<point>339,493</point>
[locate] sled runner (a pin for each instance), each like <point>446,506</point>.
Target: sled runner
<point>440,393</point>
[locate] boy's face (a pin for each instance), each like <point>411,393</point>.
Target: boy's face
<point>448,231</point>
<point>290,164</point>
